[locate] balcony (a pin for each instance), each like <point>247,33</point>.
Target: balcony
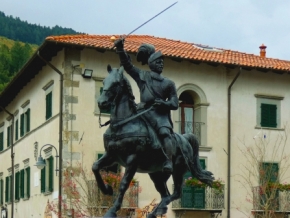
<point>98,200</point>
<point>191,127</point>
<point>200,199</point>
<point>275,200</point>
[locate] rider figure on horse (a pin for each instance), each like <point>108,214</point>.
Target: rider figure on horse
<point>154,90</point>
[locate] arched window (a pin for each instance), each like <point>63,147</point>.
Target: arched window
<point>186,106</point>
<point>192,113</point>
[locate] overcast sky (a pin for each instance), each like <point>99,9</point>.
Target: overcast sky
<point>241,25</point>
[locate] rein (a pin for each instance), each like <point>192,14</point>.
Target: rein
<point>113,103</point>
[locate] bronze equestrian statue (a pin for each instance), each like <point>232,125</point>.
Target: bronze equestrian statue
<point>154,89</point>
<point>140,138</point>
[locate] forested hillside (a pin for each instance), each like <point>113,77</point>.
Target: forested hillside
<point>13,55</point>
<point>18,41</point>
<point>18,30</point>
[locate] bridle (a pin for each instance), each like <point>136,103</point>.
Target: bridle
<point>111,89</point>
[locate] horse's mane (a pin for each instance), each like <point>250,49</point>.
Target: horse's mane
<point>131,96</point>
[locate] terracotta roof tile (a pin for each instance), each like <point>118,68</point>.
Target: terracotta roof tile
<point>178,49</point>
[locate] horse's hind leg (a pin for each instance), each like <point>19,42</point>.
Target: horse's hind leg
<point>125,182</point>
<point>159,180</point>
<point>105,161</point>
<point>178,172</point>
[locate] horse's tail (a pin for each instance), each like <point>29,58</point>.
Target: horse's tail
<point>194,164</point>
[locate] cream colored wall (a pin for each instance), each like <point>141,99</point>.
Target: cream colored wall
<point>213,81</point>
<point>41,131</point>
<point>244,122</point>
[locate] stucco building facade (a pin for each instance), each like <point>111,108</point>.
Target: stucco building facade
<point>220,93</point>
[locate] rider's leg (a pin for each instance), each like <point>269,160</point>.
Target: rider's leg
<point>166,141</point>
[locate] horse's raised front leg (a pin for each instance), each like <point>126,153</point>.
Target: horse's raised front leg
<point>125,182</point>
<point>105,161</point>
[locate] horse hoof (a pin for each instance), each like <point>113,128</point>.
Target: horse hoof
<point>110,214</point>
<point>109,190</point>
<point>161,210</point>
<point>150,215</point>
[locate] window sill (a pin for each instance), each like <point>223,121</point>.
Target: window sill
<point>269,128</point>
<point>205,148</point>
<point>26,199</point>
<point>47,193</point>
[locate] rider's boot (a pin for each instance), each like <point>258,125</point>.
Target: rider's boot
<point>167,166</point>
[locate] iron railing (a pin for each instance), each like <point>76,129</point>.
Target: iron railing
<point>130,199</point>
<point>192,127</point>
<point>275,200</point>
<point>200,199</point>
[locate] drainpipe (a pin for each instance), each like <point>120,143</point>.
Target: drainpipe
<point>60,130</point>
<point>12,162</point>
<point>229,142</point>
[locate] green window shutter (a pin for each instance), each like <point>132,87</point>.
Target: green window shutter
<point>1,141</point>
<point>108,111</point>
<point>16,130</point>
<point>8,136</point>
<point>202,163</point>
<point>16,183</point>
<point>42,178</point>
<point>27,120</point>
<point>22,183</point>
<point>48,99</point>
<point>269,172</point>
<point>6,188</point>
<point>193,197</point>
<point>1,192</point>
<point>28,182</point>
<point>50,173</point>
<point>22,125</point>
<point>268,115</point>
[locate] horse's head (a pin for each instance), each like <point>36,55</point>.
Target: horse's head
<point>112,87</point>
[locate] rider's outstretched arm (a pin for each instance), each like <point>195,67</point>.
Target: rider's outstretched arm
<point>125,60</point>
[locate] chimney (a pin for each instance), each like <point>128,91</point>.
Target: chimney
<point>263,51</point>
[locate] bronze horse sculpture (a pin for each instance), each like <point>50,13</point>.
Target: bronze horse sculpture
<point>130,142</point>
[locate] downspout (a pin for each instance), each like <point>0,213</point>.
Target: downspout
<point>60,130</point>
<point>12,162</point>
<point>229,141</point>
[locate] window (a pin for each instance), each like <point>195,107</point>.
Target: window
<point>8,189</point>
<point>16,130</point>
<point>48,100</point>
<point>268,111</point>
<point>17,186</point>
<point>47,176</point>
<point>192,197</point>
<point>22,184</point>
<point>1,141</point>
<point>192,114</point>
<point>186,113</point>
<point>25,183</point>
<point>9,134</point>
<point>1,191</point>
<point>25,122</point>
<point>269,173</point>
<point>269,115</point>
